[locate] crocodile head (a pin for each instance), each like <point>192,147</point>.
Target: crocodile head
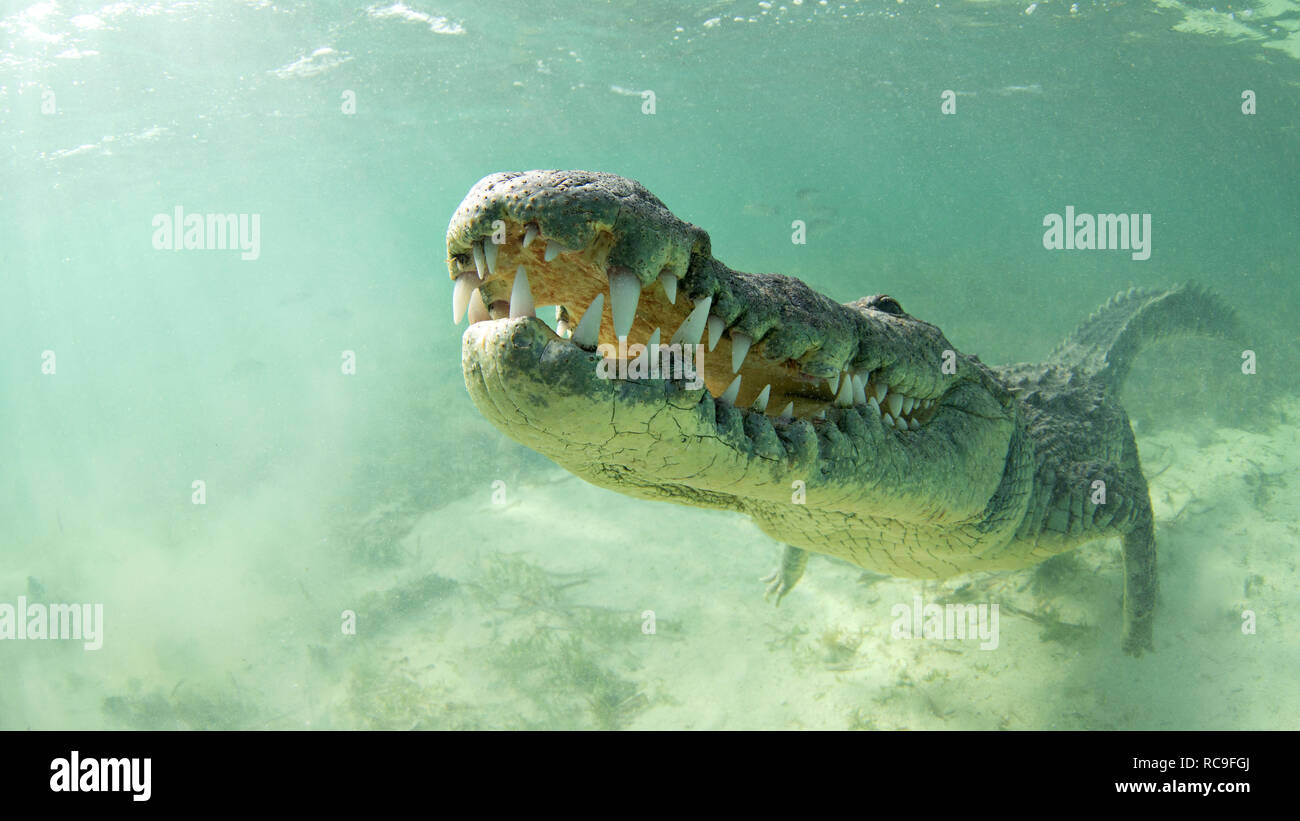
<point>853,429</point>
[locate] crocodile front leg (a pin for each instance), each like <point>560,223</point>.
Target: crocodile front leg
<point>787,574</point>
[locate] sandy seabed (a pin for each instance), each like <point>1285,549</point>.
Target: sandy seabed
<point>530,605</point>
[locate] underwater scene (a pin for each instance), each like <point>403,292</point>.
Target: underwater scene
<point>649,364</point>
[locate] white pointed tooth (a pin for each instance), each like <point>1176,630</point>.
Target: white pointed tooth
<point>589,326</point>
<point>739,348</point>
<point>859,390</point>
<point>651,344</point>
<point>844,399</point>
<point>760,404</point>
<point>914,425</point>
<point>562,329</point>
<point>521,296</point>
<point>881,390</point>
<point>478,312</point>
<point>787,412</point>
<point>554,249</point>
<point>669,282</point>
<point>895,403</point>
<point>908,402</point>
<point>466,284</point>
<point>490,255</point>
<point>732,391</point>
<point>480,263</point>
<point>833,382</point>
<point>530,234</point>
<point>693,326</point>
<point>716,327</point>
<point>624,294</point>
<point>874,405</point>
<point>888,420</point>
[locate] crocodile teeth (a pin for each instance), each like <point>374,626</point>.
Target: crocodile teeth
<point>760,404</point>
<point>888,420</point>
<point>669,282</point>
<point>466,284</point>
<point>787,412</point>
<point>530,234</point>
<point>914,425</point>
<point>732,391</point>
<point>624,293</point>
<point>521,296</point>
<point>651,344</point>
<point>881,390</point>
<point>895,403</point>
<point>859,390</point>
<point>693,326</point>
<point>874,405</point>
<point>480,264</point>
<point>716,327</point>
<point>907,404</point>
<point>554,249</point>
<point>833,382</point>
<point>739,347</point>
<point>589,326</point>
<point>478,312</point>
<point>490,255</point>
<point>844,399</point>
<point>821,414</point>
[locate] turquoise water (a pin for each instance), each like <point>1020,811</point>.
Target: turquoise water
<point>352,131</point>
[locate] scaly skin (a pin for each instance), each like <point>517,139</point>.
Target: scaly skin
<point>995,471</point>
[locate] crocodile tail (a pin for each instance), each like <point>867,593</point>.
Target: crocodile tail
<point>1106,344</point>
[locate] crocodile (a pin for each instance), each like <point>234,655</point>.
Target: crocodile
<point>853,430</point>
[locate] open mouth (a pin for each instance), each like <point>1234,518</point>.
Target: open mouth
<point>596,304</point>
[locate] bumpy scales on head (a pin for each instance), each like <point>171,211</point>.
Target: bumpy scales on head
<point>915,459</point>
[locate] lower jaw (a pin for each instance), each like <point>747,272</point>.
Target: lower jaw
<point>545,392</point>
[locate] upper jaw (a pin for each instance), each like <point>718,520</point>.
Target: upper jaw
<point>575,210</point>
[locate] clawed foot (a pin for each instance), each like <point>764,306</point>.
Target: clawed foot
<point>777,585</point>
<point>787,574</point>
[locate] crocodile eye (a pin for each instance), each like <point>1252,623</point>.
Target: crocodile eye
<point>886,304</point>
